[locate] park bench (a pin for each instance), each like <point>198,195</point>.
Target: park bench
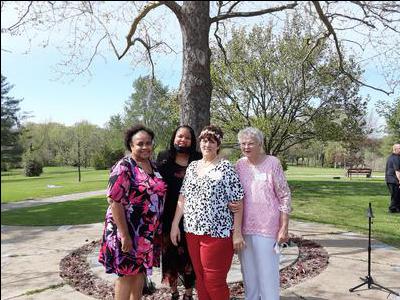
<point>359,171</point>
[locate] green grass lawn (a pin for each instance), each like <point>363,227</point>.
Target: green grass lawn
<point>294,171</point>
<point>317,197</point>
<point>344,203</point>
<point>17,187</point>
<point>83,211</point>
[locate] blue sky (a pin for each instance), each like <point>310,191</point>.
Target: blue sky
<point>95,99</point>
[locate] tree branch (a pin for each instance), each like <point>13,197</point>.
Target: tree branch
<point>218,38</point>
<point>365,22</point>
<point>175,7</point>
<point>12,27</point>
<point>331,31</point>
<point>129,43</point>
<point>230,14</point>
<point>232,6</point>
<point>94,54</point>
<point>317,43</point>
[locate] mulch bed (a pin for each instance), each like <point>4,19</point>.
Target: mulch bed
<point>75,270</point>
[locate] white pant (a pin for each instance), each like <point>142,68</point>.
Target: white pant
<point>260,268</point>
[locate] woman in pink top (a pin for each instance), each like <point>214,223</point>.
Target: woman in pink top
<point>265,216</point>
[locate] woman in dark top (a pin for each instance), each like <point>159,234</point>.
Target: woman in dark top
<point>172,165</point>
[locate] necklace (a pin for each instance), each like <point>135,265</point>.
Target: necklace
<point>207,164</point>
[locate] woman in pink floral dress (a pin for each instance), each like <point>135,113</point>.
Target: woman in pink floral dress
<point>266,208</point>
<point>132,233</point>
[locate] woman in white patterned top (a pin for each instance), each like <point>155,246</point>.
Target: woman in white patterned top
<point>212,231</point>
<point>266,208</point>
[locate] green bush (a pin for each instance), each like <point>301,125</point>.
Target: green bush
<point>4,167</point>
<point>32,168</point>
<point>98,161</point>
<point>230,154</point>
<point>106,158</point>
<point>284,164</point>
<point>283,161</point>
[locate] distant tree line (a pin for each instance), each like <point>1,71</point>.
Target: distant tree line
<point>84,144</point>
<point>391,113</point>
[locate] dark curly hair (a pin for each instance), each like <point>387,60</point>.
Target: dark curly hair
<point>132,131</point>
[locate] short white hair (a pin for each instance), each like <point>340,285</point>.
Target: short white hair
<point>253,133</point>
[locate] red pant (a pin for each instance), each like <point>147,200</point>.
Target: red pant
<point>211,258</point>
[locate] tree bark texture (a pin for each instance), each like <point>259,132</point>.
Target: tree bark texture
<point>195,87</point>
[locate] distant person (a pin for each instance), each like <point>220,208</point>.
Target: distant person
<point>266,208</point>
<point>392,178</point>
<point>172,164</point>
<point>131,241</point>
<point>212,230</point>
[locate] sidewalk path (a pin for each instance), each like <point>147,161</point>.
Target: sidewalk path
<point>30,258</point>
<point>348,259</point>
<point>55,199</point>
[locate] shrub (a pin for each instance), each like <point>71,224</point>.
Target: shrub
<point>106,158</point>
<point>283,161</point>
<point>33,168</point>
<point>284,164</point>
<point>4,167</point>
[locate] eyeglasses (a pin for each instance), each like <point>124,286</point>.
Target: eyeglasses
<point>250,145</point>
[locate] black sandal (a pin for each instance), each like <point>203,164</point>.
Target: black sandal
<point>175,295</point>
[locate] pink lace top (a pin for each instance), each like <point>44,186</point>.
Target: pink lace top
<point>266,195</point>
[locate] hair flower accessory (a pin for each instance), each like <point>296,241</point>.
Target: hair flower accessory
<point>209,133</point>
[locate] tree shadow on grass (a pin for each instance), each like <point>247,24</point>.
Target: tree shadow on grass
<point>329,189</point>
<point>82,211</point>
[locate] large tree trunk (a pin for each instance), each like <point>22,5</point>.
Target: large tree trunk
<point>195,88</point>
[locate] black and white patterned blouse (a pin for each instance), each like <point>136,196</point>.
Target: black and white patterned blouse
<point>206,209</point>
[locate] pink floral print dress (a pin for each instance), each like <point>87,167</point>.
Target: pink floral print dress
<point>142,196</point>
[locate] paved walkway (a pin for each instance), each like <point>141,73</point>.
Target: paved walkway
<point>288,257</point>
<point>30,258</point>
<point>55,199</point>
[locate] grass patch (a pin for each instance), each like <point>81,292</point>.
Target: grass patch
<point>295,171</point>
<point>344,203</point>
<point>83,211</point>
<point>17,187</point>
<point>50,287</point>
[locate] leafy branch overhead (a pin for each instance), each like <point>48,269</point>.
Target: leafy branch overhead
<point>366,31</point>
